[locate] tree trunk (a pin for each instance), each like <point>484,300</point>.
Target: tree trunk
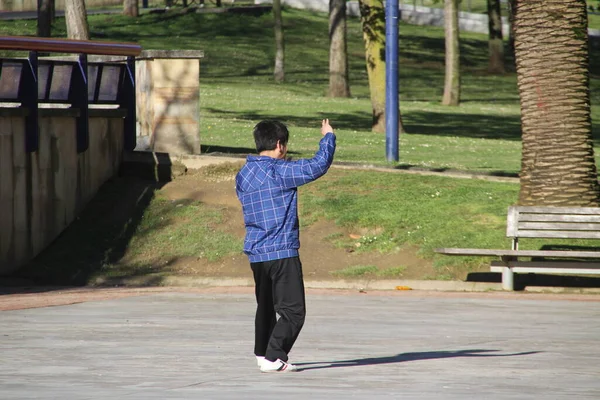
<point>338,51</point>
<point>372,17</point>
<point>76,20</point>
<point>511,30</point>
<point>496,44</point>
<point>44,21</point>
<point>452,79</point>
<point>551,50</point>
<point>131,8</point>
<point>278,73</point>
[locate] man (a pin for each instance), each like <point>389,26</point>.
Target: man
<point>267,187</point>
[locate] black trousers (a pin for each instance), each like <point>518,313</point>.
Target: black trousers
<point>279,291</point>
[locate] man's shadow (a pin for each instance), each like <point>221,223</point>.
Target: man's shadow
<point>403,357</point>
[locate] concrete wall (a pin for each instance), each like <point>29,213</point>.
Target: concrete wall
<point>31,5</point>
<point>468,22</point>
<point>42,192</point>
<point>417,15</point>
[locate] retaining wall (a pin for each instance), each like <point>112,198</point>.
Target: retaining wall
<point>42,192</point>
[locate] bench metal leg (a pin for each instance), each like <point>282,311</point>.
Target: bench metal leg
<point>508,279</point>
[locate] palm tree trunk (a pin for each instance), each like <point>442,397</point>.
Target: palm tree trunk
<point>338,53</point>
<point>551,50</point>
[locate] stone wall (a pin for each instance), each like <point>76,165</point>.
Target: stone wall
<point>42,192</point>
<point>168,101</point>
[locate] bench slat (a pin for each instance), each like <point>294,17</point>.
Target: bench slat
<point>558,210</point>
<point>548,223</point>
<point>548,267</point>
<point>550,270</point>
<point>559,234</point>
<point>518,253</point>
<point>558,226</point>
<point>559,218</point>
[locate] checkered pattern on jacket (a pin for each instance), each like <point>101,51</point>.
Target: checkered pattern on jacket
<point>267,189</point>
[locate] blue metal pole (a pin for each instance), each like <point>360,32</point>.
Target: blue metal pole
<point>391,79</point>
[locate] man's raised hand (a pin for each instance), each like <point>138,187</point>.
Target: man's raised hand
<point>325,127</point>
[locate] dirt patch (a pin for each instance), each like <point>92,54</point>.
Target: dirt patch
<point>320,257</point>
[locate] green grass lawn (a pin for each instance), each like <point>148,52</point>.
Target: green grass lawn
<point>237,91</point>
<point>424,211</point>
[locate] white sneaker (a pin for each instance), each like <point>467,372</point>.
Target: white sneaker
<point>259,360</point>
<point>277,366</point>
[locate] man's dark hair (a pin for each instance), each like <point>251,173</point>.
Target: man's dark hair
<point>267,133</point>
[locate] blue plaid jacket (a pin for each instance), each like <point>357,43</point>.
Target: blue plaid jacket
<point>267,189</point>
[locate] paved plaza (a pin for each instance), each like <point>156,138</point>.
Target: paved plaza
<point>412,345</point>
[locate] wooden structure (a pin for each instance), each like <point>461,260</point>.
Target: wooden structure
<point>32,81</point>
<point>548,223</point>
<point>64,123</point>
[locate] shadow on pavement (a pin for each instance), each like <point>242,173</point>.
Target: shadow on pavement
<point>101,233</point>
<point>523,280</point>
<point>404,357</point>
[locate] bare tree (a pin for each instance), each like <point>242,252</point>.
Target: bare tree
<point>552,59</point>
<point>44,20</point>
<point>131,8</point>
<point>495,42</point>
<point>338,50</point>
<point>511,24</point>
<point>372,17</point>
<point>76,19</point>
<point>452,78</point>
<point>278,73</point>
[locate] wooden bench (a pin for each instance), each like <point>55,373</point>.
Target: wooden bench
<point>549,223</point>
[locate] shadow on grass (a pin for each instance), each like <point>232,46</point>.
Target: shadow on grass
<point>100,235</point>
<point>357,120</point>
<point>405,357</point>
<point>473,52</point>
<point>475,126</point>
<point>500,174</point>
<point>238,152</point>
<point>233,23</point>
<point>463,125</point>
<point>415,122</point>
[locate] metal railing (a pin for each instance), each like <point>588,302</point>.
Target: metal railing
<point>33,80</point>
